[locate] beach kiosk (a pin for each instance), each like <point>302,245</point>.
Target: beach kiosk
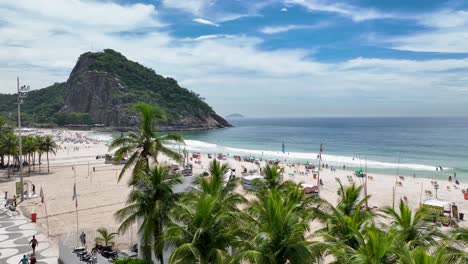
<point>442,210</point>
<point>250,182</point>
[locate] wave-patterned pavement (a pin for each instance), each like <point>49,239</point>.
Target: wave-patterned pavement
<point>15,233</point>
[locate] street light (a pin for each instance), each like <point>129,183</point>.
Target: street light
<point>22,93</point>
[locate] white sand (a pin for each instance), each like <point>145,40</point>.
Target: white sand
<point>100,195</point>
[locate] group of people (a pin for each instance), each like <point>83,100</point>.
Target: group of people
<point>32,259</point>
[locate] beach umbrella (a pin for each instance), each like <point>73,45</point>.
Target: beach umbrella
<point>359,170</point>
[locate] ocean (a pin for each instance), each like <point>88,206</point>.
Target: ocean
<point>407,146</point>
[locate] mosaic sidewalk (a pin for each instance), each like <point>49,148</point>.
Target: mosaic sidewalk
<point>15,233</point>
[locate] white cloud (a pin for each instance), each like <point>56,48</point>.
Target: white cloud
<point>196,7</point>
<point>281,29</point>
<point>213,10</point>
<point>284,9</point>
<point>105,15</point>
<point>353,12</point>
<point>447,32</point>
<point>231,71</point>
<point>205,22</point>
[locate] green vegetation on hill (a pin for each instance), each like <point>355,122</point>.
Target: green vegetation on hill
<point>134,83</point>
<point>40,106</point>
<point>144,84</point>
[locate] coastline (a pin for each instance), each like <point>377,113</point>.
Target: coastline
<point>100,195</point>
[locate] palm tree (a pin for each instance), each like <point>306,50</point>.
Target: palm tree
<point>375,246</point>
<point>48,145</point>
<point>277,232</point>
<point>9,146</point>
<point>421,255</point>
<point>151,202</point>
<point>344,224</point>
<point>216,184</point>
<point>5,129</point>
<point>201,230</point>
<point>144,144</point>
<point>39,141</point>
<point>28,150</point>
<point>414,229</point>
<point>105,236</point>
<point>460,235</point>
<point>272,176</point>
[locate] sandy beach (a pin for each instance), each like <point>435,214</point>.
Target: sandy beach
<point>100,195</point>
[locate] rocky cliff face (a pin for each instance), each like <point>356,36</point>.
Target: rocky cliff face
<point>109,97</point>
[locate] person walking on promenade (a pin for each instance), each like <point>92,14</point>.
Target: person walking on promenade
<point>24,260</point>
<point>34,244</point>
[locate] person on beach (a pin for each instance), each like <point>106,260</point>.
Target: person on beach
<point>83,239</point>
<point>34,244</point>
<point>24,260</point>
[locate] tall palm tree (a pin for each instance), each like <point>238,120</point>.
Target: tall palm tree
<point>48,145</point>
<point>414,229</point>
<point>345,222</point>
<point>5,129</point>
<point>28,150</point>
<point>105,236</point>
<point>201,230</point>
<point>144,144</point>
<point>272,176</point>
<point>9,146</point>
<point>440,255</point>
<point>38,141</point>
<point>151,202</point>
<point>375,246</point>
<point>278,232</point>
<point>219,184</point>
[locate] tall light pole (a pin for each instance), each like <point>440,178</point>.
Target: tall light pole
<point>21,94</point>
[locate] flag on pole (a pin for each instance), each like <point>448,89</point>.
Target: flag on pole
<point>321,150</point>
<point>75,195</point>
<point>41,194</point>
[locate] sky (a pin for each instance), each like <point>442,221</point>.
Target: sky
<point>260,58</point>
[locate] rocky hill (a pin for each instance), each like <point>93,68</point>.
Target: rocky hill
<point>102,89</point>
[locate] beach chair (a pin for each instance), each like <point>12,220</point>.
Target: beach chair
<point>370,177</point>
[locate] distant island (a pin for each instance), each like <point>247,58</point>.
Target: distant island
<point>234,116</point>
<point>102,89</point>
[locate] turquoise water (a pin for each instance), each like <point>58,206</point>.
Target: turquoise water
<point>421,144</point>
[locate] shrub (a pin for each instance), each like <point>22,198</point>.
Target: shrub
<point>132,261</point>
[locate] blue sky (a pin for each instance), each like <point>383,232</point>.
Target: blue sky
<point>259,58</point>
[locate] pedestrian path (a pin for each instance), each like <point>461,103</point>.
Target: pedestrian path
<point>15,233</point>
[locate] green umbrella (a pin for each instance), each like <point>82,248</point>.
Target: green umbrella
<point>358,170</point>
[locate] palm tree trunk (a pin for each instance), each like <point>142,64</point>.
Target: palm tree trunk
<point>157,236</point>
<point>40,156</point>
<point>29,163</point>
<point>48,171</point>
<point>8,166</point>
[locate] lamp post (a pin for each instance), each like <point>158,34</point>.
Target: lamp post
<point>21,94</point>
